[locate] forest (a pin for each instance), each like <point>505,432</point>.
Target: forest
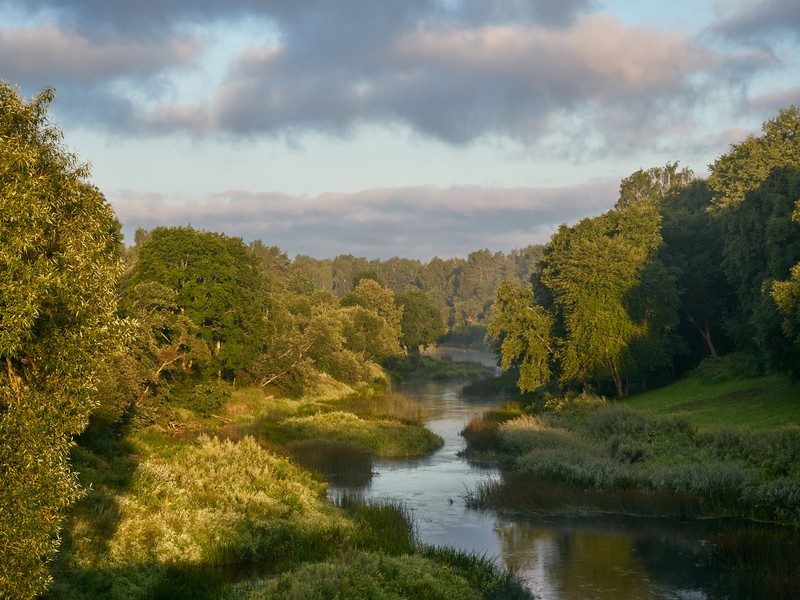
<point>102,341</point>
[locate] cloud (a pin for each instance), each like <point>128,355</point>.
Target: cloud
<point>461,84</point>
<point>771,102</point>
<point>751,20</point>
<point>458,71</point>
<point>413,222</point>
<point>50,53</point>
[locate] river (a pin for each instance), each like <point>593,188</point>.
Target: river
<point>558,558</point>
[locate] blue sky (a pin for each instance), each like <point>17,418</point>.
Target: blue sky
<point>412,128</point>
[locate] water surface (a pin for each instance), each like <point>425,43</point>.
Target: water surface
<point>558,558</point>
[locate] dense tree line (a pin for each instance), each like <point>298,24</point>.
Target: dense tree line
<point>679,270</point>
<point>462,289</point>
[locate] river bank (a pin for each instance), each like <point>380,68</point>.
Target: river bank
<point>216,506</point>
<point>582,456</point>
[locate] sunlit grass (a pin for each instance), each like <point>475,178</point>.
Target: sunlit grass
<point>608,456</point>
<point>381,437</point>
<point>757,403</point>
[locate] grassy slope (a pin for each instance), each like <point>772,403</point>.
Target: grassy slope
<point>759,403</point>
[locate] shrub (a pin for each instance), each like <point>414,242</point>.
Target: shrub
<point>736,365</point>
<point>362,575</point>
<point>382,437</point>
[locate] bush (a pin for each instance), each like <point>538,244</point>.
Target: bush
<point>205,398</point>
<point>736,365</point>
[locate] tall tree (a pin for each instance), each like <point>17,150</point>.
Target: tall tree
<point>602,309</point>
<point>422,323</point>
<point>756,185</point>
<point>750,163</point>
<point>652,185</point>
<point>219,286</point>
<point>693,247</point>
<point>523,334</point>
<point>59,263</point>
<point>372,327</point>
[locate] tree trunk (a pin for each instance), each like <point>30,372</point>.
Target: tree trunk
<point>621,391</point>
<point>705,333</point>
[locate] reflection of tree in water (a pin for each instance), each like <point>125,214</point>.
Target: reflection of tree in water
<point>602,557</point>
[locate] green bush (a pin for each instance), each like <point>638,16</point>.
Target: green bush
<point>362,575</point>
<point>206,397</point>
<point>736,365</point>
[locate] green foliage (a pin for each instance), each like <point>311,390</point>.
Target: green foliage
<point>693,248</point>
<point>461,289</point>
<point>736,365</point>
<point>218,286</point>
<point>422,323</point>
<point>372,321</point>
<point>363,575</point>
<point>381,437</point>
<point>787,297</point>
<point>524,333</point>
<point>204,398</point>
<point>59,264</point>
<point>756,186</point>
<point>640,462</point>
<point>650,187</point>
<point>435,573</point>
<point>750,163</point>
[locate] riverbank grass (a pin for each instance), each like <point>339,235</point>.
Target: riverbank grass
<point>193,504</point>
<point>617,457</point>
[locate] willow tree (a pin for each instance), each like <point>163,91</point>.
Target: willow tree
<point>601,309</point>
<point>58,271</point>
<point>523,334</point>
<point>591,271</point>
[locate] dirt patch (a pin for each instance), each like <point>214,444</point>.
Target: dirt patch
<point>745,395</point>
<point>236,408</point>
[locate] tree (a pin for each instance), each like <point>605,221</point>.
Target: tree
<point>750,163</point>
<point>787,297</point>
<point>523,334</point>
<point>693,247</point>
<point>219,286</point>
<point>421,324</point>
<point>651,186</point>
<point>59,265</point>
<point>756,185</point>
<point>372,324</point>
<point>166,344</point>
<point>602,306</point>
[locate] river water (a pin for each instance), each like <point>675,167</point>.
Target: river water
<point>558,558</point>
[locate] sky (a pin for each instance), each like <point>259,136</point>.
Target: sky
<point>380,128</point>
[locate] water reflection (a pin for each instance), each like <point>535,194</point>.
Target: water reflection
<point>607,557</point>
<point>559,558</point>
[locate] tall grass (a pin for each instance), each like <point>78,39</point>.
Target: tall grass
<point>598,454</point>
<point>380,437</point>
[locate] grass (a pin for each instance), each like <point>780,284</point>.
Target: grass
<point>380,437</point>
<point>756,403</point>
<point>632,456</point>
<point>195,505</point>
